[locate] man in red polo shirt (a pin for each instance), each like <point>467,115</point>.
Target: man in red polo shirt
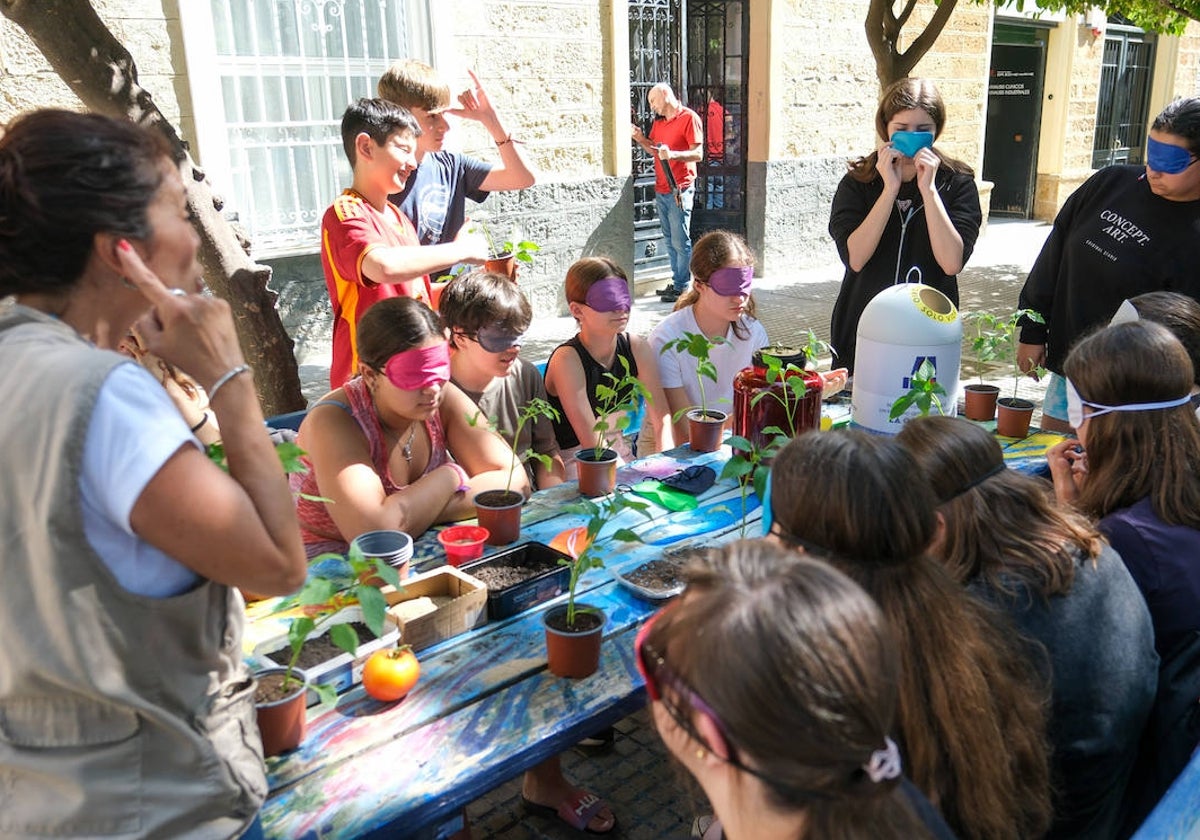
<point>677,140</point>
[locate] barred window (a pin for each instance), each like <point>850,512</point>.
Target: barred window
<point>276,76</point>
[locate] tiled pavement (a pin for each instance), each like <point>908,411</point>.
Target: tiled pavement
<point>649,795</point>
<point>645,790</point>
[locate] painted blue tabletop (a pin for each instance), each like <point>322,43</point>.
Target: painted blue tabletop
<point>486,708</point>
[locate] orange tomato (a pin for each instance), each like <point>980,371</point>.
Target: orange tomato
<point>390,674</point>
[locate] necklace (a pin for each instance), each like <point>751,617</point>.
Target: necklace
<point>406,449</point>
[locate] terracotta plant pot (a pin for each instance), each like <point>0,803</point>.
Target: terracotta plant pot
<point>979,402</point>
<point>1012,417</point>
<point>504,264</point>
<point>597,477</point>
<point>500,512</point>
<point>282,722</point>
<point>705,429</point>
<point>573,652</point>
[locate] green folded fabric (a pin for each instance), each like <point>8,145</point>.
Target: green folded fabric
<point>665,496</point>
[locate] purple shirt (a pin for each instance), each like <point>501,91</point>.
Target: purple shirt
<point>1165,562</point>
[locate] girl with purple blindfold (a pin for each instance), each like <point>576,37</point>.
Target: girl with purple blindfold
<point>392,448</point>
<point>597,291</point>
<point>719,305</point>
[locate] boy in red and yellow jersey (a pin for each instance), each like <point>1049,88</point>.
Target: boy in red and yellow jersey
<point>369,250</point>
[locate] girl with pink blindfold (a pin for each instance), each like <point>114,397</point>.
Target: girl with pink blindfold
<point>597,292</point>
<point>719,305</point>
<point>392,449</point>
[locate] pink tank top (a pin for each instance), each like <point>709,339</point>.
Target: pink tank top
<point>320,532</point>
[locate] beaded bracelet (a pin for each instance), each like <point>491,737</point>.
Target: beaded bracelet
<point>225,377</point>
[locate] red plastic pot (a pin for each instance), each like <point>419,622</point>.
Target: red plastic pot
<point>463,543</point>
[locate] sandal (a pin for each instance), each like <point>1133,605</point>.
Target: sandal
<point>577,811</point>
<point>599,744</point>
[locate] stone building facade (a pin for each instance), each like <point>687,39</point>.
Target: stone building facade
<point>559,72</point>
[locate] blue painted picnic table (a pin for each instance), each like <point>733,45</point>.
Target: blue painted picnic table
<point>485,708</point>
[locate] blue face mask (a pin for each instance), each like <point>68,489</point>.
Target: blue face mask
<point>1168,159</point>
<point>908,143</point>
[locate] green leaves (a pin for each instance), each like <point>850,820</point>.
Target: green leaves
<point>995,339</point>
<point>923,392</point>
<point>322,598</point>
<point>794,386</point>
<point>599,514</point>
<point>616,395</point>
<point>522,251</point>
<point>750,464</point>
<point>698,347</point>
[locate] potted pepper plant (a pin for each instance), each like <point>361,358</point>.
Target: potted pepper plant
<point>705,424</point>
<point>508,256</point>
<point>573,630</point>
<point>1013,414</point>
<point>280,693</point>
<point>500,510</point>
<point>616,402</point>
<point>979,398</point>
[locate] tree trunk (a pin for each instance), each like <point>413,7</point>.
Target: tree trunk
<point>101,72</point>
<point>883,27</point>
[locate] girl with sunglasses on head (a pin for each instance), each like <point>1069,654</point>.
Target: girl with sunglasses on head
<point>718,305</point>
<point>904,213</point>
<point>773,681</point>
<point>1127,230</point>
<point>597,291</point>
<point>393,448</point>
<point>972,717</point>
<point>1002,537</point>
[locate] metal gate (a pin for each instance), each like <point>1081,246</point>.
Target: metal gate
<point>717,58</point>
<point>1122,112</point>
<point>701,49</point>
<point>654,56</point>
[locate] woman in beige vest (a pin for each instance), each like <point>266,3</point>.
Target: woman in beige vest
<point>126,709</point>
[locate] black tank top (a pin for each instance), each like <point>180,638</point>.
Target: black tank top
<point>593,375</point>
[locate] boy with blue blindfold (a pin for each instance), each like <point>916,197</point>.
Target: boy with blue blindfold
<point>1127,231</point>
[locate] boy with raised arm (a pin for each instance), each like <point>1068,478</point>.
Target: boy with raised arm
<point>434,198</point>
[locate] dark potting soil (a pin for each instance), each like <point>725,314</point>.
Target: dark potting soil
<point>584,621</point>
<point>271,688</point>
<point>661,575</point>
<point>322,648</point>
<point>500,576</point>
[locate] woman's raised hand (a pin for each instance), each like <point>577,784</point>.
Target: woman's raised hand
<point>193,332</point>
<point>1068,469</point>
<point>888,167</point>
<point>927,163</point>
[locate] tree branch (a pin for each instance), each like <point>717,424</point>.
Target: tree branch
<point>924,41</point>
